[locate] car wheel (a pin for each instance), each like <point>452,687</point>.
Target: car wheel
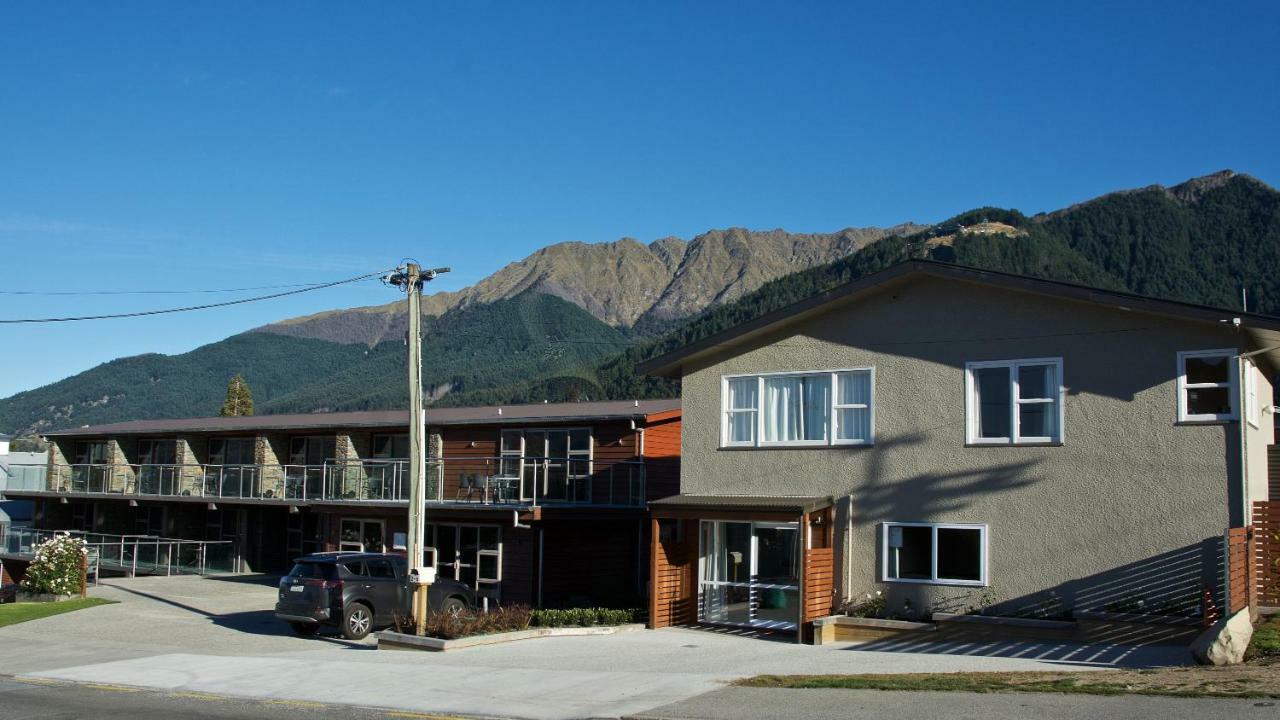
<point>304,629</point>
<point>357,621</point>
<point>453,606</point>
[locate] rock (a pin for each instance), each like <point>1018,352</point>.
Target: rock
<point>1225,641</point>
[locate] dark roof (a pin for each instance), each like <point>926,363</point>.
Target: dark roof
<point>489,415</point>
<point>669,365</point>
<point>774,503</point>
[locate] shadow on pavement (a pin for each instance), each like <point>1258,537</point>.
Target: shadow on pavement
<point>256,622</point>
<point>1101,655</point>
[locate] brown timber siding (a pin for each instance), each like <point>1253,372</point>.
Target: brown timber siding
<point>819,583</point>
<point>1266,559</point>
<point>662,458</point>
<point>674,595</point>
<point>1273,473</point>
<point>1241,569</point>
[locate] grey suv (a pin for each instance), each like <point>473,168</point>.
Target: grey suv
<point>358,593</point>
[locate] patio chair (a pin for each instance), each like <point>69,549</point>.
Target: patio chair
<point>467,483</point>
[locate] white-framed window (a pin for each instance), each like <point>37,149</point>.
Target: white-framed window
<point>934,553</point>
<point>1207,385</point>
<point>1009,402</point>
<point>796,409</point>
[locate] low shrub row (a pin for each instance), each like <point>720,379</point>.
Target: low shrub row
<point>518,617</point>
<point>583,617</point>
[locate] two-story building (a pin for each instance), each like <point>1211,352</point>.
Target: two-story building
<point>536,504</point>
<point>956,439</point>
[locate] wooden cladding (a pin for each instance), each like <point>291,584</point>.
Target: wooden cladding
<point>673,571</point>
<point>819,583</point>
<point>1241,570</point>
<point>1266,552</point>
<point>818,586</point>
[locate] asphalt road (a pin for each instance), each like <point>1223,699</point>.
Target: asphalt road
<point>812,704</point>
<point>23,700</point>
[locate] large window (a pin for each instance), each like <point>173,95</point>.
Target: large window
<point>1013,401</point>
<point>1206,386</point>
<point>934,553</point>
<point>798,409</point>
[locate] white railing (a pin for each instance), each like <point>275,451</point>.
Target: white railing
<point>133,554</point>
<point>509,480</point>
<point>541,481</point>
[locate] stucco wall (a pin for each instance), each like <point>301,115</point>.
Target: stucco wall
<point>1128,507</point>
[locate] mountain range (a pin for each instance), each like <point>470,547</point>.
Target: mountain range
<point>571,320</point>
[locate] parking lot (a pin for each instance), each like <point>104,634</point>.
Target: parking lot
<point>219,636</point>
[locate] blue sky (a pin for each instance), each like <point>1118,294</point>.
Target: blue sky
<point>170,146</point>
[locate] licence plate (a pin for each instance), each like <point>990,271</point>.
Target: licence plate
<point>295,588</point>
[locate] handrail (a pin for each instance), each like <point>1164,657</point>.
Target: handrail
<point>131,553</point>
<point>508,479</point>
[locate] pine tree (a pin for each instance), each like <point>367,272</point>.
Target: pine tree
<point>239,400</point>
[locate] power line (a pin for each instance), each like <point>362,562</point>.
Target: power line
<point>150,292</point>
<point>189,308</point>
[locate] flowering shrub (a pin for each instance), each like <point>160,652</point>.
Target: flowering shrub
<point>870,606</point>
<point>57,566</point>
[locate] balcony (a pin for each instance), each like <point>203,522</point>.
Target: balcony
<point>505,481</point>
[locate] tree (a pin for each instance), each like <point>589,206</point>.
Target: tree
<point>239,402</point>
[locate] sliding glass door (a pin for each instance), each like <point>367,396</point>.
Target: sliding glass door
<point>750,574</point>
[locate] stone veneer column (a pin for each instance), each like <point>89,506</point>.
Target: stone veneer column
<point>57,474</point>
<point>270,452</point>
<point>435,466</point>
<point>121,477</point>
<point>190,454</point>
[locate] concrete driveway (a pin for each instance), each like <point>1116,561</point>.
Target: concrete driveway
<point>218,636</point>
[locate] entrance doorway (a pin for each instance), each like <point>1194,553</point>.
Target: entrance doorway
<point>749,574</point>
<point>470,554</point>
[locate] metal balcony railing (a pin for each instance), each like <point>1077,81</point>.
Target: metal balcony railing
<point>517,480</point>
<point>134,554</point>
<point>505,480</point>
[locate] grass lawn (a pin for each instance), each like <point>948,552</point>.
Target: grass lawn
<point>13,613</point>
<point>1254,680</point>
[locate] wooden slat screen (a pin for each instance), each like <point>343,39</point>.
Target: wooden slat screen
<point>1266,553</point>
<point>674,585</point>
<point>1241,568</point>
<point>819,583</point>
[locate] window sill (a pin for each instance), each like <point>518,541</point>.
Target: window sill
<point>1230,421</point>
<point>1057,443</point>
<point>753,448</point>
<point>951,583</point>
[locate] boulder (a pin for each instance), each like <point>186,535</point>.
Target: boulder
<point>1225,641</point>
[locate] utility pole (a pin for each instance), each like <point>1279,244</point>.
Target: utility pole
<point>411,279</point>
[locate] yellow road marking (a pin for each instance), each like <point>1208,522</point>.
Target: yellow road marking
<point>112,688</point>
<point>198,696</point>
<point>428,716</point>
<point>41,681</point>
<point>295,703</point>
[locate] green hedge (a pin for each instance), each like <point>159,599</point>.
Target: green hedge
<point>584,617</point>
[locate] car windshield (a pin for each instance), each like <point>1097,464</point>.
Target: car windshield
<point>318,571</point>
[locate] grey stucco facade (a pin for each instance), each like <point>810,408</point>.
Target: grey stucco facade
<point>1130,505</point>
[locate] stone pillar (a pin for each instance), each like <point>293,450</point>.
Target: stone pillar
<point>121,478</point>
<point>57,472</point>
<point>190,454</point>
<point>435,464</point>
<point>271,452</point>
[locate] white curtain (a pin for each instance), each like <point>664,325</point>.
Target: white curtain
<point>782,409</point>
<point>795,408</point>
<point>854,389</point>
